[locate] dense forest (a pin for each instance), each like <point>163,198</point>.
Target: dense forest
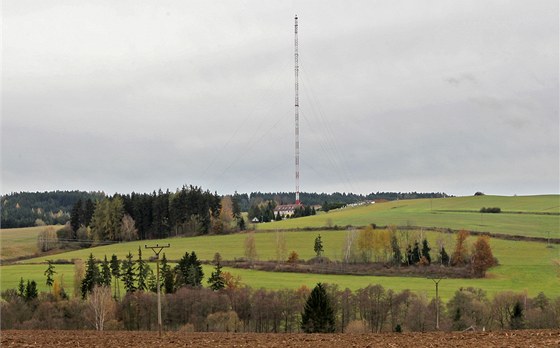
<point>25,209</point>
<point>167,211</point>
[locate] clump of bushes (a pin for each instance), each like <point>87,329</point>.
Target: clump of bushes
<point>494,210</point>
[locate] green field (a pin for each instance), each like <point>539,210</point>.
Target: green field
<point>522,215</point>
<point>524,266</point>
<point>18,242</point>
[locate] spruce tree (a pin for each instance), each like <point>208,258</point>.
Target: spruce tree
<point>444,257</point>
<point>21,288</point>
<point>105,277</point>
<point>31,292</point>
<point>182,269</point>
<point>416,253</point>
<point>318,314</point>
<point>128,273</point>
<point>49,273</point>
<point>216,279</point>
<point>115,271</point>
<point>426,250</point>
<point>516,320</point>
<point>167,276</point>
<point>318,247</point>
<point>92,276</point>
<point>143,271</point>
<point>195,271</point>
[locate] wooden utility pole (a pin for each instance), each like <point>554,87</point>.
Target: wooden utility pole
<point>157,250</point>
<point>436,281</point>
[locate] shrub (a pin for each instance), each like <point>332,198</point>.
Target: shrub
<point>356,326</point>
<point>493,210</point>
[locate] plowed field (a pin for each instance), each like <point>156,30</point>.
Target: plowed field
<point>523,338</point>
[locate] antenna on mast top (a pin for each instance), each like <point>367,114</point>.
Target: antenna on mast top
<point>296,109</point>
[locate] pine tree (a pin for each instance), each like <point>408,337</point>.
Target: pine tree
<point>21,288</point>
<point>167,276</point>
<point>517,317</point>
<point>152,281</point>
<point>31,292</point>
<point>115,272</point>
<point>426,250</point>
<point>318,314</point>
<point>105,273</point>
<point>91,277</point>
<point>182,269</point>
<point>76,215</point>
<point>49,273</point>
<point>143,271</point>
<point>416,253</point>
<point>241,223</point>
<point>318,247</point>
<point>128,273</point>
<point>444,257</point>
<point>216,280</point>
<point>195,271</point>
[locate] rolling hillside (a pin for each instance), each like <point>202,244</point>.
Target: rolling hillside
<point>531,216</point>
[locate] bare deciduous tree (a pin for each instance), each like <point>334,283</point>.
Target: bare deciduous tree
<point>250,247</point>
<point>47,239</point>
<point>281,249</point>
<point>101,306</point>
<point>128,228</point>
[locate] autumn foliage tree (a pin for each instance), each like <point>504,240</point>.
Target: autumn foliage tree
<point>460,255</point>
<point>482,257</point>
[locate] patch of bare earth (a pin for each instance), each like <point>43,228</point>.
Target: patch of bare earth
<point>46,338</point>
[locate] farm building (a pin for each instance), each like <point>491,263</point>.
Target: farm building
<point>286,209</point>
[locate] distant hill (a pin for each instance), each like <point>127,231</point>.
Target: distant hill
<point>311,198</point>
<point>25,209</point>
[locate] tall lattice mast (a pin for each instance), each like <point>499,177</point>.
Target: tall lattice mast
<point>297,109</point>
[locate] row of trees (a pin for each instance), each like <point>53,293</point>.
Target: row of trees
<point>25,209</point>
<point>333,200</point>
<point>137,275</point>
<point>242,309</point>
<point>400,248</point>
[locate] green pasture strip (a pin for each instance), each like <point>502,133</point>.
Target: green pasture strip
<point>531,279</point>
<point>231,247</point>
<point>18,242</point>
<point>455,213</point>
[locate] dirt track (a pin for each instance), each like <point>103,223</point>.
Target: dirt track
<point>524,339</point>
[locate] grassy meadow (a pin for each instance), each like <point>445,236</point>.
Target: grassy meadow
<point>524,266</point>
<point>522,215</point>
<point>18,242</point>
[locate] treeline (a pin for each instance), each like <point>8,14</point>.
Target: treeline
<point>188,211</point>
<point>25,209</point>
<point>336,198</point>
<point>238,308</point>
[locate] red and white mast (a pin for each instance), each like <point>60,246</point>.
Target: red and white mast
<point>297,110</point>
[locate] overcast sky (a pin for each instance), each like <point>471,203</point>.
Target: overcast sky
<point>126,96</point>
